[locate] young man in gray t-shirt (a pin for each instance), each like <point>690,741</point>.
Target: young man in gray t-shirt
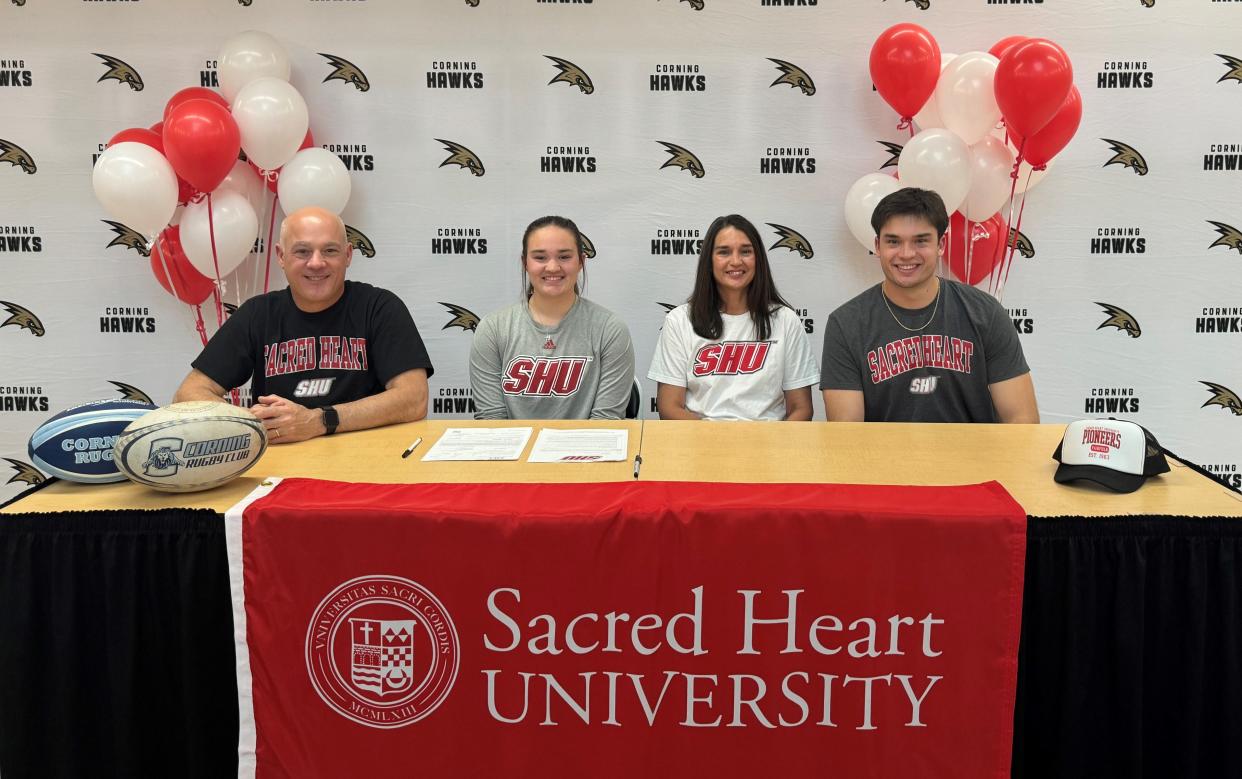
<point>918,348</point>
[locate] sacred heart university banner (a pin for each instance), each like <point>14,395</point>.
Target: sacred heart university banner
<point>626,629</point>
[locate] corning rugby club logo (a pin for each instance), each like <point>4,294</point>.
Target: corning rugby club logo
<point>571,74</point>
<point>588,248</point>
<point>386,659</point>
<point>1019,241</point>
<point>162,460</point>
<point>119,71</point>
<point>1235,69</point>
<point>1224,397</point>
<point>462,317</point>
<point>792,75</point>
<point>894,151</point>
<point>1120,319</point>
<point>682,158</point>
<point>346,71</point>
<point>359,241</point>
<point>462,157</point>
<point>792,240</point>
<point>1230,237</point>
<point>26,473</point>
<point>127,237</point>
<point>130,392</point>
<point>1126,156</point>
<point>22,317</point>
<point>16,156</point>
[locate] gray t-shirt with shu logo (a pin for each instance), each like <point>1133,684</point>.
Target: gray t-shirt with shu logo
<point>940,373</point>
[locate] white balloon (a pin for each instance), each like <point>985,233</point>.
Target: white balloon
<point>235,226</point>
<point>991,164</point>
<point>314,177</point>
<point>136,186</point>
<point>929,115</point>
<point>244,180</point>
<point>272,118</point>
<point>938,160</point>
<point>247,56</point>
<point>966,98</point>
<point>860,202</point>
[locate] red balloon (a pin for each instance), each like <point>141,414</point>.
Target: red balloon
<point>274,175</point>
<point>905,66</point>
<point>989,240</point>
<point>193,93</point>
<point>1000,47</point>
<point>1041,147</point>
<point>201,141</point>
<point>1031,82</point>
<point>139,135</point>
<point>188,285</point>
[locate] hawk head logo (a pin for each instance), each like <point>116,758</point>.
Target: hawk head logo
<point>1127,156</point>
<point>667,306</point>
<point>472,3</point>
<point>1120,319</point>
<point>344,70</point>
<point>230,308</point>
<point>17,156</point>
<point>120,72</point>
<point>25,471</point>
<point>1018,240</point>
<point>244,2</point>
<point>1148,3</point>
<point>792,240</point>
<point>682,158</point>
<point>462,317</point>
<point>19,3</point>
<point>22,317</point>
<point>130,392</point>
<point>792,75</point>
<point>588,248</point>
<point>1230,237</point>
<point>894,151</point>
<point>922,5</point>
<point>462,157</point>
<point>696,4</point>
<point>1224,397</point>
<point>571,74</point>
<point>127,237</point>
<point>360,241</point>
<point>1235,68</point>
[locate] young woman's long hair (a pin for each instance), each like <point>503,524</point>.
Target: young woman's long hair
<point>567,225</point>
<point>761,296</point>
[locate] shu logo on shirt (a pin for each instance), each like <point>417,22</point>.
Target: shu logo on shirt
<point>544,376</point>
<point>923,385</point>
<point>731,358</point>
<point>314,388</point>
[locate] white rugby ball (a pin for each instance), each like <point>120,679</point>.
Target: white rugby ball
<point>190,446</point>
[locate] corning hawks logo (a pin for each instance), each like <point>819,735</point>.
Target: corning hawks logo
<point>571,74</point>
<point>472,3</point>
<point>894,150</point>
<point>17,156</point>
<point>1018,240</point>
<point>230,308</point>
<point>792,240</point>
<point>792,75</point>
<point>1120,319</point>
<point>462,157</point>
<point>130,392</point>
<point>923,5</point>
<point>119,71</point>
<point>245,2</point>
<point>1224,397</point>
<point>682,158</point>
<point>346,71</point>
<point>588,248</point>
<point>1126,156</point>
<point>22,317</point>
<point>19,3</point>
<point>25,473</point>
<point>667,306</point>
<point>1230,237</point>
<point>462,317</point>
<point>1235,69</point>
<point>695,4</point>
<point>127,237</point>
<point>359,241</point>
<point>1148,3</point>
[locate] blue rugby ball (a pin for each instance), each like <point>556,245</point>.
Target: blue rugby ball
<point>76,445</point>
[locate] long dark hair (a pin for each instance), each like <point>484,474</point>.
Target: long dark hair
<point>564,224</point>
<point>761,296</point>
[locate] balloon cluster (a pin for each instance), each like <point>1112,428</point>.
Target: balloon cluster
<point>990,123</point>
<point>211,152</point>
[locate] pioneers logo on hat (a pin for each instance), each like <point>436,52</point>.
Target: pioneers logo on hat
<point>1119,455</point>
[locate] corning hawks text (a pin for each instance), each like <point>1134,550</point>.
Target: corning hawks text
<point>354,155</point>
<point>19,238</point>
<point>13,73</point>
<point>677,78</point>
<point>454,75</point>
<point>1124,75</point>
<point>1223,156</point>
<point>787,160</point>
<point>677,241</point>
<point>1118,240</point>
<point>567,159</point>
<point>1219,319</point>
<point>1111,400</point>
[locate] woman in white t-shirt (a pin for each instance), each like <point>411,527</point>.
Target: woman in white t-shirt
<point>735,350</point>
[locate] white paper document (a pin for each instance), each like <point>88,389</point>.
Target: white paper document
<point>580,446</point>
<point>480,443</point>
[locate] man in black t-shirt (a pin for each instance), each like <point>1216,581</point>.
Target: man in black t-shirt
<point>918,348</point>
<point>323,355</point>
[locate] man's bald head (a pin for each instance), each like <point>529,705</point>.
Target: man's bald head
<point>310,216</point>
<point>314,254</point>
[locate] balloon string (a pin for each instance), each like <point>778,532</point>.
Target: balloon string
<point>211,232</point>
<point>271,225</point>
<point>155,244</point>
<point>267,204</point>
<point>197,309</point>
<point>969,248</point>
<point>1013,189</point>
<point>906,123</point>
<point>1014,240</point>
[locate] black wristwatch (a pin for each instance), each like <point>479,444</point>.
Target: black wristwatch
<point>330,420</point>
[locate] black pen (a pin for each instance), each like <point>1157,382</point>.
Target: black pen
<point>638,463</point>
<point>410,449</point>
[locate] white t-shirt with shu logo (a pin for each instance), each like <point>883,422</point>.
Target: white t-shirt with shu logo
<point>736,376</point>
